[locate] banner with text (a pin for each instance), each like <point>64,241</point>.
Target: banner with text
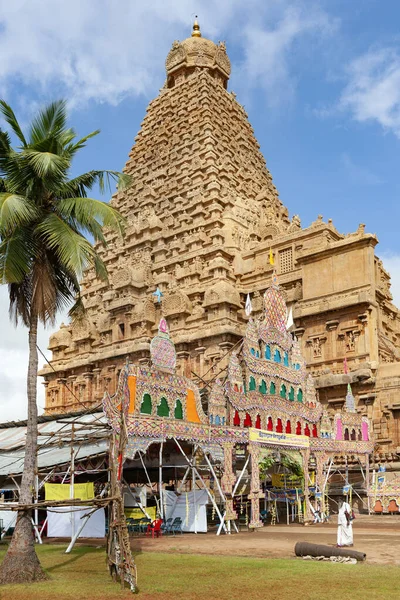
<point>278,439</point>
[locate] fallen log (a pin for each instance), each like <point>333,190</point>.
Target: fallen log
<point>308,549</point>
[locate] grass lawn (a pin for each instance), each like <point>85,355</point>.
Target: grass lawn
<point>83,575</point>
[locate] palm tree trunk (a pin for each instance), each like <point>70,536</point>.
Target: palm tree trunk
<point>21,564</point>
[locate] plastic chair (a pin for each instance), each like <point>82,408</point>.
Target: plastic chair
<point>264,515</point>
<point>166,527</point>
<point>176,526</point>
<point>155,528</point>
<point>143,524</point>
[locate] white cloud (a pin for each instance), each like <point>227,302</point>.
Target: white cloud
<point>104,50</point>
<point>359,174</point>
<point>270,50</point>
<point>372,92</point>
<point>14,364</point>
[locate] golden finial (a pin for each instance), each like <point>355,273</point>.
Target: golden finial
<point>196,29</point>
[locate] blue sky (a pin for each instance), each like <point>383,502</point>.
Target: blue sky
<point>320,81</point>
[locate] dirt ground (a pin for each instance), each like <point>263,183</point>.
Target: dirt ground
<point>377,536</point>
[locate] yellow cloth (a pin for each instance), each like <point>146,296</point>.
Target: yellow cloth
<point>271,257</point>
<point>137,513</point>
<point>61,491</point>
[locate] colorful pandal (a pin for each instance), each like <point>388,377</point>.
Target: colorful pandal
<point>267,390</point>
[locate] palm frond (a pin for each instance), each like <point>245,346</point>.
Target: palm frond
<point>77,312</point>
<point>87,211</point>
<point>104,179</point>
<point>73,148</point>
<point>5,144</point>
<point>15,258</point>
<point>47,164</point>
<point>73,250</point>
<point>11,119</point>
<point>15,211</point>
<point>20,301</point>
<point>79,186</point>
<point>50,120</point>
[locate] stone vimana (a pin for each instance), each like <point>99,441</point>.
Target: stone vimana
<point>205,222</point>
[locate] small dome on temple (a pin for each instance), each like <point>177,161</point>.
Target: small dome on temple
<point>197,52</point>
<point>60,339</point>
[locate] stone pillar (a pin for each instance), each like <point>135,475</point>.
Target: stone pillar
<point>200,351</point>
<point>255,491</point>
<point>183,358</point>
<point>228,481</point>
<point>96,391</point>
<point>63,391</point>
<point>88,376</point>
<point>46,395</point>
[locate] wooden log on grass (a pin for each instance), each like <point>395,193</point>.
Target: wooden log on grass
<point>308,549</point>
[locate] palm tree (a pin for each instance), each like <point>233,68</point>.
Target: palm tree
<point>44,220</point>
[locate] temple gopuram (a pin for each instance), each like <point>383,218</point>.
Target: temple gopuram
<point>204,217</point>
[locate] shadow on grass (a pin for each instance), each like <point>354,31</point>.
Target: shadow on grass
<point>69,560</point>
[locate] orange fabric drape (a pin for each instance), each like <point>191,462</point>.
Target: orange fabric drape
<point>191,410</point>
<point>132,393</point>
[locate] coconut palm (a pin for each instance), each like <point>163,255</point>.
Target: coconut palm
<point>44,219</point>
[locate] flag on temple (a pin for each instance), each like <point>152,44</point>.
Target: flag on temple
<point>158,294</point>
<point>248,307</point>
<point>271,257</point>
<point>290,322</point>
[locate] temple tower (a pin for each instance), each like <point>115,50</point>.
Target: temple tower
<point>203,219</point>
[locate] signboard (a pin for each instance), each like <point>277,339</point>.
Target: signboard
<point>278,439</point>
<point>284,480</point>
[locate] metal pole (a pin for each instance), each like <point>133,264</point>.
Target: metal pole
<point>233,493</point>
<point>36,512</point>
<point>367,482</point>
<point>150,483</point>
<point>85,519</point>
<point>221,493</point>
<point>72,480</point>
<point>194,498</point>
<point>142,508</point>
<point>203,484</point>
<point>160,491</point>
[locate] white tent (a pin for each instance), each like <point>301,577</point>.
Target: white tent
<point>190,507</point>
<point>62,523</point>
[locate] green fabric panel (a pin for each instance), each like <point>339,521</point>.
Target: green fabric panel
<point>252,384</point>
<point>145,408</point>
<point>163,408</point>
<point>283,391</point>
<point>272,388</point>
<point>178,410</point>
<point>291,394</point>
<point>300,395</point>
<point>263,387</point>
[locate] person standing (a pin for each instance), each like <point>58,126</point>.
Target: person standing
<point>345,526</point>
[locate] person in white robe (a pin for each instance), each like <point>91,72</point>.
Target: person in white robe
<point>345,526</point>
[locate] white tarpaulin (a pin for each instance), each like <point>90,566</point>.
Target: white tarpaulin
<point>9,518</point>
<point>190,507</point>
<point>60,523</point>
